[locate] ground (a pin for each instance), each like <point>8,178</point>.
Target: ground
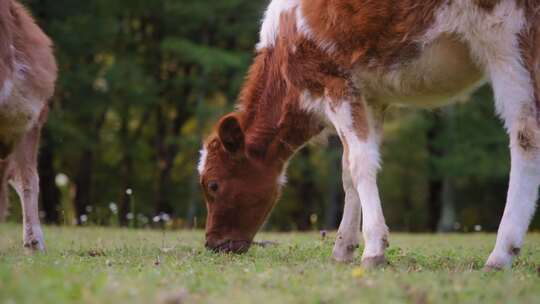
<point>101,265</point>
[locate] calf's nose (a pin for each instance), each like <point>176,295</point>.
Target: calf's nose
<point>228,246</point>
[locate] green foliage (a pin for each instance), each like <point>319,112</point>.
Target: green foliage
<point>142,82</point>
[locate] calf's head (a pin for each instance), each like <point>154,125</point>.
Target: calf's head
<point>240,190</point>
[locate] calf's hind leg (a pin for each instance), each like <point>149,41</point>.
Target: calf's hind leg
<point>516,103</point>
<point>347,236</point>
<point>4,191</point>
<point>25,181</point>
<point>522,191</point>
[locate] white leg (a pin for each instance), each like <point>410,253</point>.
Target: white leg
<point>360,129</point>
<point>520,207</point>
<point>26,183</point>
<point>522,191</point>
<point>347,236</point>
<point>516,104</point>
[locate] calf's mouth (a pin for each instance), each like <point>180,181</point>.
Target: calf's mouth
<point>229,246</point>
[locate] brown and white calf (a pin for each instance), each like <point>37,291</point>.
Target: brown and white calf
<point>342,63</point>
<point>27,77</point>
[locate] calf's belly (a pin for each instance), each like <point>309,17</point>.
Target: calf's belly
<point>18,113</point>
<point>442,74</point>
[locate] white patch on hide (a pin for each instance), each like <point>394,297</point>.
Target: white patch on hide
<point>202,161</point>
<point>270,26</point>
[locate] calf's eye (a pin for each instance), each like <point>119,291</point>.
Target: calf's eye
<point>213,186</point>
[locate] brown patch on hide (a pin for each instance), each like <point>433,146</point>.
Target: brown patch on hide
<point>352,247</point>
<point>308,67</point>
<point>487,5</point>
<point>25,52</point>
<point>529,40</point>
<point>515,251</point>
<point>6,40</point>
<point>526,140</point>
<point>528,131</point>
<point>376,33</point>
<point>26,59</point>
<point>34,50</point>
<point>359,119</point>
<point>385,243</point>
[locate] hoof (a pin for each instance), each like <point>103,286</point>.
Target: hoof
<point>374,262</point>
<point>344,254</point>
<point>33,246</point>
<point>497,262</point>
<point>492,268</point>
<point>343,258</point>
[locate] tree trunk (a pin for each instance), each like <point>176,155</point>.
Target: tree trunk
<point>336,197</point>
<point>166,153</point>
<point>307,193</point>
<point>49,192</point>
<point>84,178</point>
<point>162,188</point>
<point>164,165</point>
<point>435,191</point>
<point>441,200</point>
<point>126,169</point>
<point>435,186</point>
<point>448,212</point>
<point>83,183</point>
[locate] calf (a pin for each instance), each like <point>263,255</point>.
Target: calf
<point>27,77</point>
<point>341,64</point>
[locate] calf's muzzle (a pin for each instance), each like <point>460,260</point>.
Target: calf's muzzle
<point>229,246</point>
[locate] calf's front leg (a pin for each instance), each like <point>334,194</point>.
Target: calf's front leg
<point>359,128</point>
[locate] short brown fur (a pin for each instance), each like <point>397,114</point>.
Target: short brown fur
<point>530,46</point>
<point>374,33</point>
<point>27,77</point>
<point>487,5</point>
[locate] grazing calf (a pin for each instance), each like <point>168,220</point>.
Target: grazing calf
<point>342,63</point>
<point>27,77</point>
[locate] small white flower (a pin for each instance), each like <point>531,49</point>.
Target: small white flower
<point>129,191</point>
<point>165,217</point>
<point>477,228</point>
<point>113,207</point>
<point>130,216</point>
<point>156,219</point>
<point>61,180</point>
<point>84,218</point>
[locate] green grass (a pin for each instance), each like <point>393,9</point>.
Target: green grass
<point>98,265</point>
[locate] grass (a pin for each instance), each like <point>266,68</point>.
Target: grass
<point>98,265</point>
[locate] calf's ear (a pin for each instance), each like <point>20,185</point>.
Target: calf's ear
<point>231,134</point>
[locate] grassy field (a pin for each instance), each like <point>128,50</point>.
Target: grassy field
<point>95,265</point>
